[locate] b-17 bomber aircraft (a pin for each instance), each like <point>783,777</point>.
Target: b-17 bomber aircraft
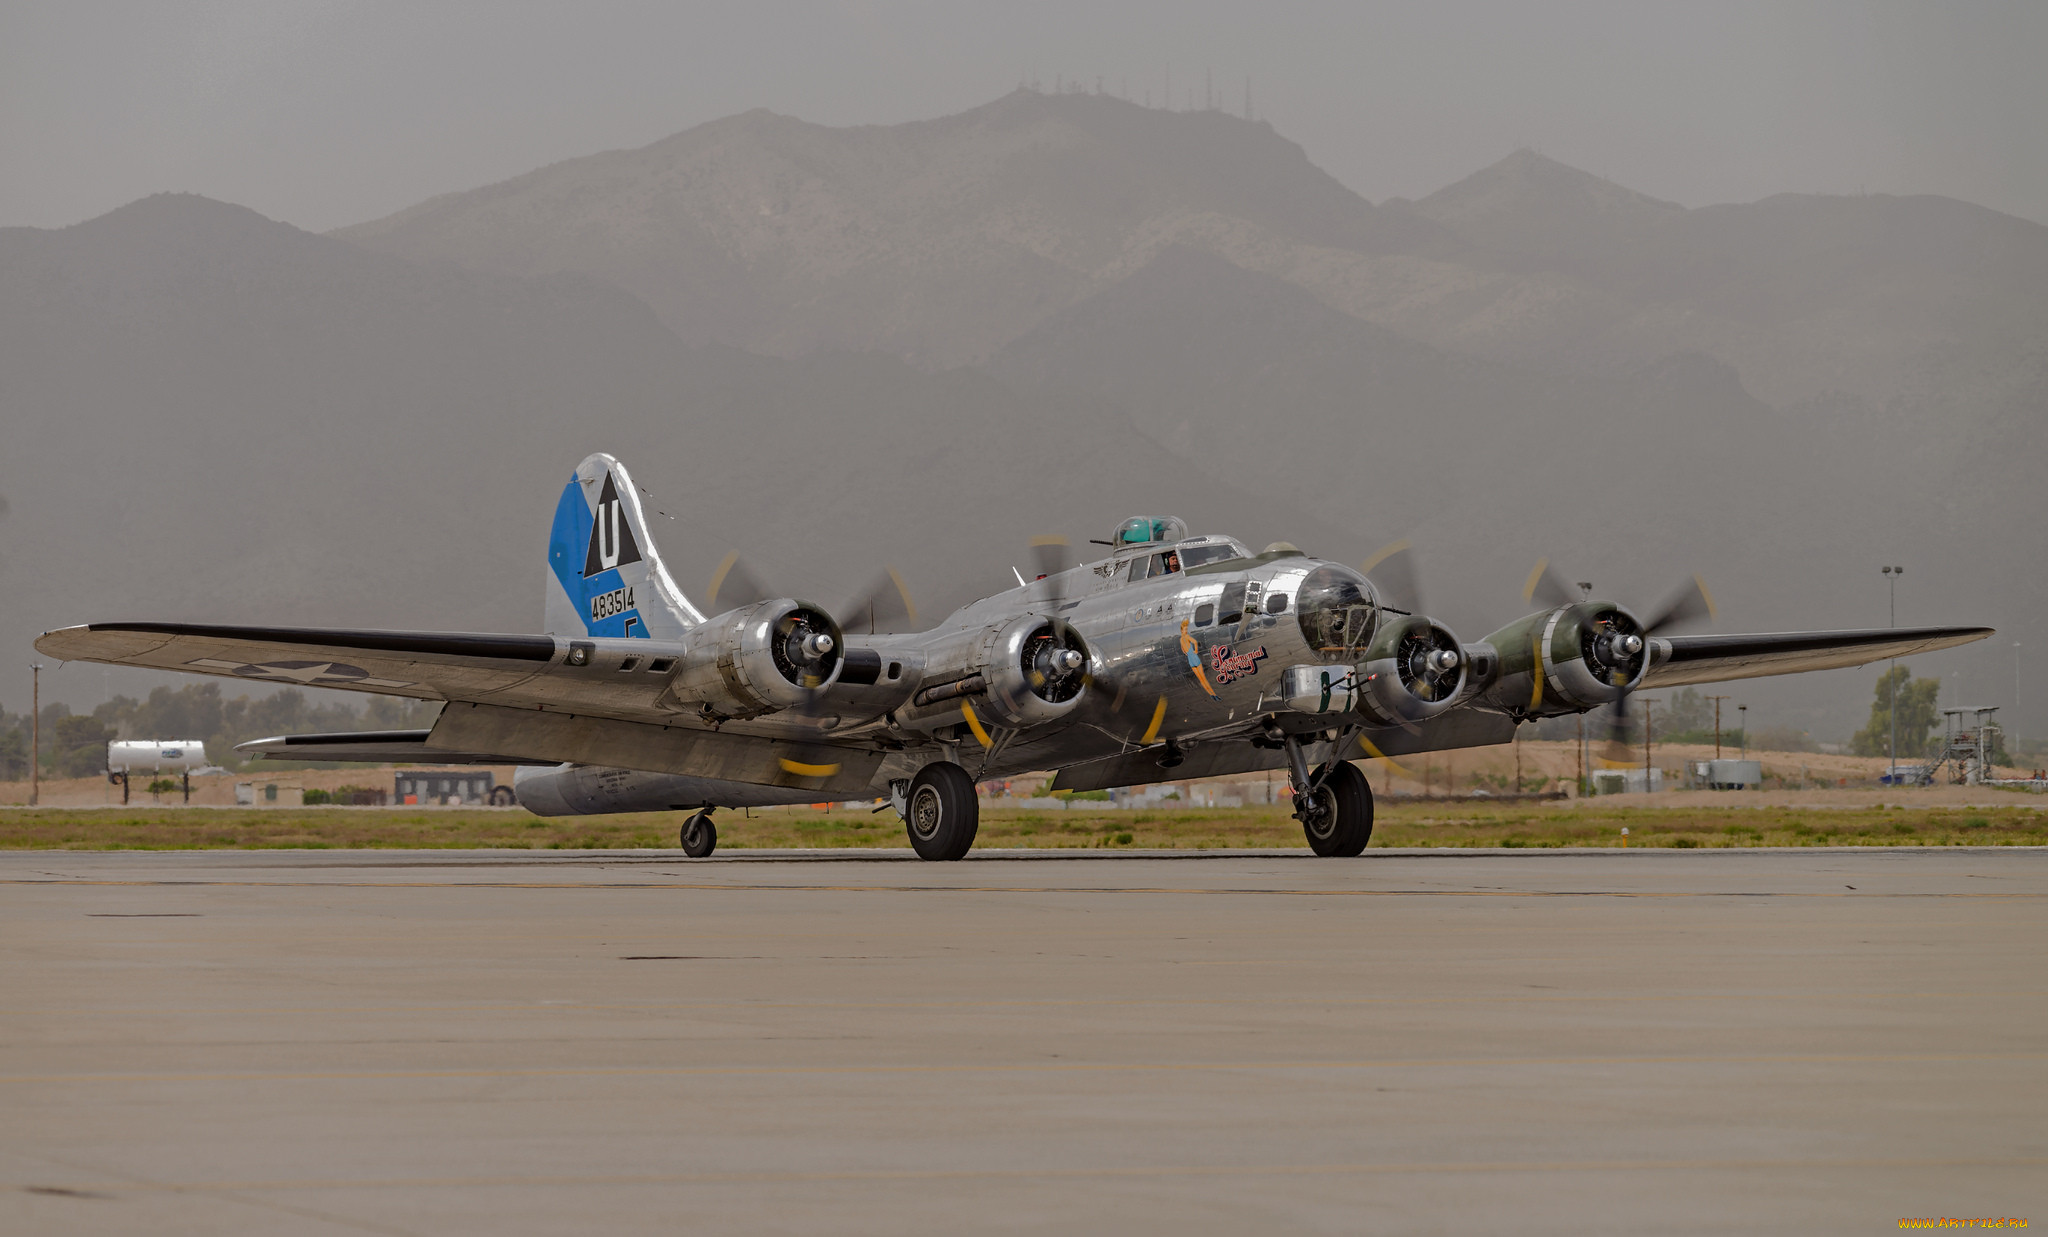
<point>1169,656</point>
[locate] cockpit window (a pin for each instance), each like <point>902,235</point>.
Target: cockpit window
<point>1338,612</point>
<point>1196,555</point>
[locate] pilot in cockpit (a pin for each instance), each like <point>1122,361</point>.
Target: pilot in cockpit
<point>1172,561</point>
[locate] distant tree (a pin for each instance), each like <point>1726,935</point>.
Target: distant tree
<point>1686,711</point>
<point>1917,715</point>
<point>13,753</point>
<point>79,746</point>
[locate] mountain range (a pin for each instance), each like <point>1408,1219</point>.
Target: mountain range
<point>922,343</point>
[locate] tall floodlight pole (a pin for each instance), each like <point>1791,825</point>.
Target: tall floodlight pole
<point>35,730</point>
<point>1891,577</point>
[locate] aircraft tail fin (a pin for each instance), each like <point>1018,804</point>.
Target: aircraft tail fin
<point>605,577</point>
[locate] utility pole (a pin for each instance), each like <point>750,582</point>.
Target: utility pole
<point>1717,724</point>
<point>1581,745</point>
<point>1744,710</point>
<point>1646,745</point>
<point>35,730</point>
<point>1518,759</point>
<point>1891,773</point>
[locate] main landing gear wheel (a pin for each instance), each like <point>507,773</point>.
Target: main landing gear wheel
<point>700,836</point>
<point>941,813</point>
<point>1338,816</point>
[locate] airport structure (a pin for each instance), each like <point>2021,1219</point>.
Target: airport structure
<point>125,756</point>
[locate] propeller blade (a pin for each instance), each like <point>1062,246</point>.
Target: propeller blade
<point>1051,555</point>
<point>1617,749</point>
<point>1393,573</point>
<point>1545,589</point>
<point>885,605</point>
<point>733,586</point>
<point>1689,604</point>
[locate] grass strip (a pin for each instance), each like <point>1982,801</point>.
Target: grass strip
<point>1399,825</point>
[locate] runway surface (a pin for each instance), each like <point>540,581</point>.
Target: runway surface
<point>527,1042</point>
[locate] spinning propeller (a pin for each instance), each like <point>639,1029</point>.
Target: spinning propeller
<point>1621,644</point>
<point>805,649</point>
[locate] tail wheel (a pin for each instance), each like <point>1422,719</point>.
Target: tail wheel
<point>941,813</point>
<point>1338,819</point>
<point>699,836</point>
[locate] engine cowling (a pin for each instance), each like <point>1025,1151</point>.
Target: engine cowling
<point>760,658</point>
<point>1569,659</point>
<point>1414,671</point>
<point>1035,668</point>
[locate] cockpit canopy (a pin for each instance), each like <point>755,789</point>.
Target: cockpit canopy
<point>1338,612</point>
<point>1145,529</point>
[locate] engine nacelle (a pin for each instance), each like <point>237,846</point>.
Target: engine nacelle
<point>1035,668</point>
<point>1570,659</point>
<point>1414,671</point>
<point>759,658</point>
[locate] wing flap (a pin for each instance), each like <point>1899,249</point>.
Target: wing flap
<point>1681,660</point>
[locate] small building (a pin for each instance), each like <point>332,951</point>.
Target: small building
<point>450,786</point>
<point>1727,774</point>
<point>1627,781</point>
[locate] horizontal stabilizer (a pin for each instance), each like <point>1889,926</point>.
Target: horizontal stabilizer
<point>371,747</point>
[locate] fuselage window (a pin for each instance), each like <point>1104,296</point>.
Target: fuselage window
<point>1205,614</point>
<point>1232,608</point>
<point>1276,603</point>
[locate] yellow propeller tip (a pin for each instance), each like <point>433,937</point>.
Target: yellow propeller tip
<point>800,769</point>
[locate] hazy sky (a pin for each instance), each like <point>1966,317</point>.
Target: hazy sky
<point>323,113</point>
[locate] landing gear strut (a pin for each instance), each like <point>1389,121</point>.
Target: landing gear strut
<point>1334,805</point>
<point>699,835</point>
<point>940,811</point>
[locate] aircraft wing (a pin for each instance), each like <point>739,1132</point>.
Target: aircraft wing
<point>422,665</point>
<point>1711,659</point>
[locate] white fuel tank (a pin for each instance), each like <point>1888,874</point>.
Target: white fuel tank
<point>150,755</point>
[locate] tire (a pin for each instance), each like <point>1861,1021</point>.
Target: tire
<point>502,796</point>
<point>699,835</point>
<point>941,814</point>
<point>1343,826</point>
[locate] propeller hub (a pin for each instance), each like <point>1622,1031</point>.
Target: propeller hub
<point>1628,645</point>
<point>1443,660</point>
<point>817,646</point>
<point>1068,660</point>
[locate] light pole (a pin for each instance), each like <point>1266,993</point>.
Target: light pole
<point>1891,578</point>
<point>2012,741</point>
<point>1743,709</point>
<point>35,730</point>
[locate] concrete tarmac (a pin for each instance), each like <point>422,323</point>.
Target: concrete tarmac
<point>1813,1040</point>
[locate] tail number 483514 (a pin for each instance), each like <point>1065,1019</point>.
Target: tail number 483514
<point>605,605</point>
